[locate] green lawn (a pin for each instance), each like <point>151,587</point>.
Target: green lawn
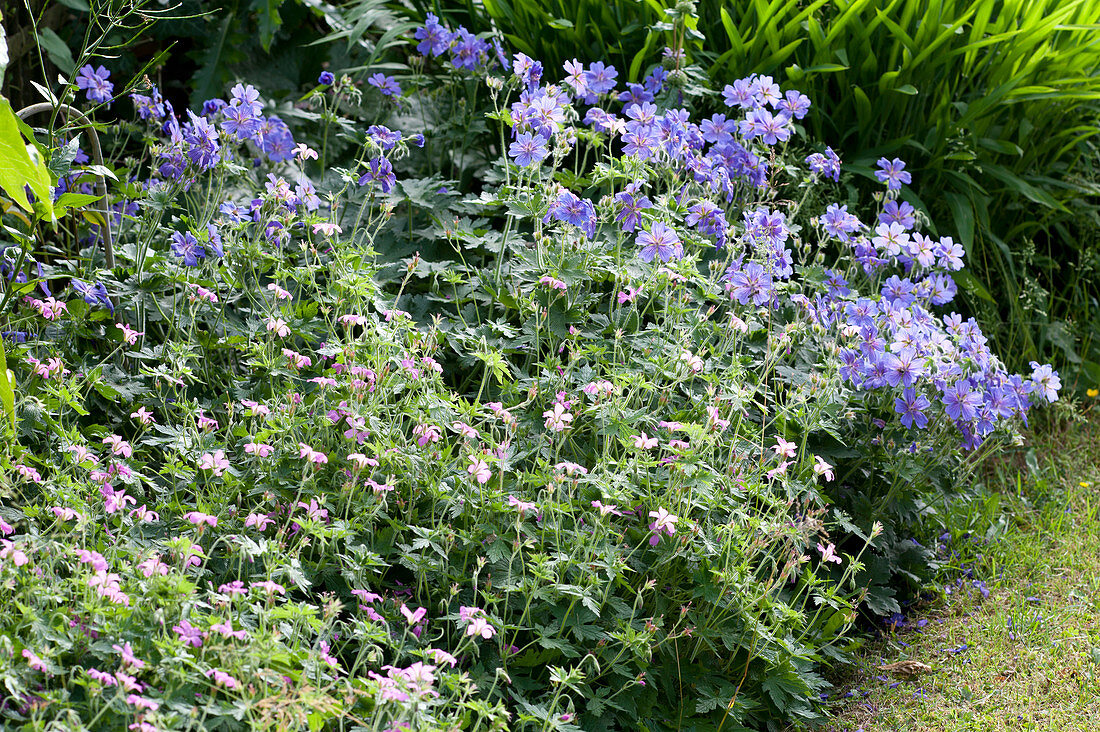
<point>1028,656</point>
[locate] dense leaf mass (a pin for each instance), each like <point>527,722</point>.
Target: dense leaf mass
<point>619,416</point>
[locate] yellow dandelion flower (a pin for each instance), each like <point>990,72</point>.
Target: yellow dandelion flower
<point>1092,393</point>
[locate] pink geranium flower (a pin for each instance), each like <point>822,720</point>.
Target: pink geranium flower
<point>153,565</point>
<point>198,518</point>
<point>522,506</point>
<point>216,462</point>
<point>278,326</point>
<point>129,334</point>
<point>557,418</point>
<point>426,433</point>
<point>693,362</point>
<point>784,448</point>
<point>465,430</point>
<point>828,553</point>
<point>352,319</point>
<point>571,468</point>
<point>327,228</point>
<point>297,360</point>
<point>480,626</point>
<point>118,445</point>
<point>34,661</point>
<point>413,616</point>
<point>143,415</point>
<point>258,449</point>
<point>553,283</point>
<point>314,512</point>
<point>259,520</point>
<point>314,456</point>
<point>280,293</point>
<point>606,509</point>
<point>222,678</point>
<point>479,469</point>
<point>663,523</point>
<point>128,657</point>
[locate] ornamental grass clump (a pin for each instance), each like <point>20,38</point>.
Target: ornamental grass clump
<point>585,473</point>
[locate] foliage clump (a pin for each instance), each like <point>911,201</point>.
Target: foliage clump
<point>631,438</point>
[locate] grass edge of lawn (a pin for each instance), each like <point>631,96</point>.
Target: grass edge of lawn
<point>1016,645</point>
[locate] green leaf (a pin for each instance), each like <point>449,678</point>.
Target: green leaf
<point>881,600</point>
<point>1002,146</point>
<point>46,93</point>
<point>21,166</point>
<point>963,212</point>
<point>641,56</point>
<point>496,363</point>
<point>93,217</point>
<point>782,687</point>
<point>269,20</point>
<point>824,69</point>
<point>845,522</point>
<point>863,106</point>
<point>207,80</point>
<point>75,200</point>
<point>737,44</point>
<point>99,170</point>
<point>1092,368</point>
<point>1059,334</point>
<point>1018,185</point>
<point>58,51</point>
<point>61,159</point>
<point>972,283</point>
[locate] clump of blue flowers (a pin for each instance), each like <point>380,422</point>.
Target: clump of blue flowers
<point>880,295</point>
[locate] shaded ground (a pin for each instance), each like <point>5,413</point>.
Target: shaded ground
<point>1027,656</point>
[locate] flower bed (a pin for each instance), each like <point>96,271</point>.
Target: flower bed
<point>640,453</point>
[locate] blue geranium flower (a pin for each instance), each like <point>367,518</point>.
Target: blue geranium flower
<point>385,84</point>
<point>92,293</point>
<point>600,78</point>
<point>187,247</point>
<point>528,149</point>
<point>961,401</point>
<point>659,242</point>
<point>571,209</point>
<point>94,83</point>
<point>631,205</point>
<point>892,173</point>
<point>750,283</point>
<point>380,171</point>
<point>434,38</point>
